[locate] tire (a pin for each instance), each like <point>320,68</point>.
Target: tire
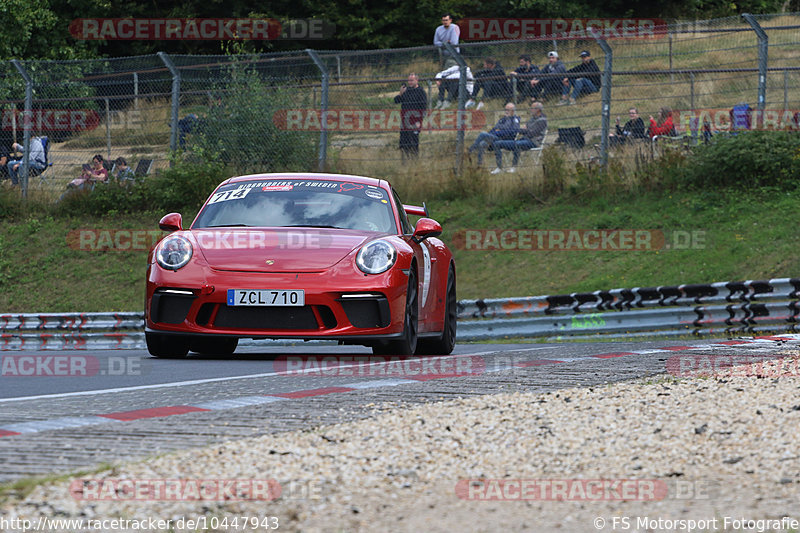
<point>406,345</point>
<point>212,346</point>
<point>444,345</point>
<point>166,346</point>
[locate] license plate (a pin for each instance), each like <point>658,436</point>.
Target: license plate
<point>266,297</point>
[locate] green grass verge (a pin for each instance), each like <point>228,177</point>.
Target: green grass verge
<point>749,234</point>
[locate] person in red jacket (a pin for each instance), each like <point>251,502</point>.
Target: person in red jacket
<point>664,126</point>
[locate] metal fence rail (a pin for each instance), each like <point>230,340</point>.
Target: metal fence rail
<point>727,308</point>
<point>335,109</point>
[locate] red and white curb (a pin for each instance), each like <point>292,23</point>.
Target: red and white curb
<point>70,422</point>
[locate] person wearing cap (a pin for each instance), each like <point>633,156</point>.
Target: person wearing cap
<point>585,79</point>
<point>551,85</point>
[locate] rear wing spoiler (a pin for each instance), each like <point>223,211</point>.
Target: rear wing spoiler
<point>416,210</point>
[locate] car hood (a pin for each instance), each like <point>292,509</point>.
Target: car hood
<point>278,249</point>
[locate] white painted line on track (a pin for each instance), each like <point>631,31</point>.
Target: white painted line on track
<point>213,380</point>
<point>57,423</point>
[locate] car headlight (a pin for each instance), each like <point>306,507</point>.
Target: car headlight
<point>174,252</point>
<point>376,257</point>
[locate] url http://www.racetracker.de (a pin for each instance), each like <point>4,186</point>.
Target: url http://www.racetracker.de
<point>241,523</point>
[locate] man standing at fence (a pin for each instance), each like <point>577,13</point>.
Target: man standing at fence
<point>446,33</point>
<point>413,106</point>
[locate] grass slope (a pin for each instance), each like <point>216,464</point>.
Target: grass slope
<point>748,235</point>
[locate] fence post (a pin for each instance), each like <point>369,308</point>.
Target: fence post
<point>176,94</point>
<point>27,124</point>
<point>514,89</point>
<point>108,129</point>
<point>671,74</point>
<point>462,101</point>
<point>605,97</point>
<point>323,104</point>
<point>786,90</point>
<point>763,48</point>
<point>136,91</point>
<point>691,91</point>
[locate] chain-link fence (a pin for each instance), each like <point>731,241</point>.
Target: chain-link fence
<point>347,111</point>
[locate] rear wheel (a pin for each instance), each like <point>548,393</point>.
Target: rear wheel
<point>406,345</point>
<point>444,344</point>
<point>166,346</point>
<point>212,346</point>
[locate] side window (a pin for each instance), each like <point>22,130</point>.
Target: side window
<point>405,225</point>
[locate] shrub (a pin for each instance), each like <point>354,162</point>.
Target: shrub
<point>752,159</point>
<point>184,186</point>
<point>241,132</point>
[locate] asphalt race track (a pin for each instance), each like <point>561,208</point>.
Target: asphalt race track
<point>116,406</point>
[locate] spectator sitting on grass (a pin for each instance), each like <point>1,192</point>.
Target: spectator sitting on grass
<point>492,79</point>
<point>550,86</point>
<point>586,84</point>
<point>523,75</point>
<point>448,81</point>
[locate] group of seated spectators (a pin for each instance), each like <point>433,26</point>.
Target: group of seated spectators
<point>634,128</point>
<point>503,136</point>
<point>510,134</point>
<point>581,79</point>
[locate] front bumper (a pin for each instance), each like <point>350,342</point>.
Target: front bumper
<point>363,308</point>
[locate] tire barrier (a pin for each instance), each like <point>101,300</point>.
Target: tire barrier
<point>722,308</point>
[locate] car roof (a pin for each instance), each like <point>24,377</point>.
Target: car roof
<point>310,176</point>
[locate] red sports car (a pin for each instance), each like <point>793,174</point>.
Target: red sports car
<point>301,256</point>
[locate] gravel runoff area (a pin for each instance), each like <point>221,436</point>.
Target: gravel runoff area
<point>678,454</point>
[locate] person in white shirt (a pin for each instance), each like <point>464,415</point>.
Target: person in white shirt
<point>36,159</point>
<point>447,80</point>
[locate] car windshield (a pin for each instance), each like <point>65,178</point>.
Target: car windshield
<point>299,203</point>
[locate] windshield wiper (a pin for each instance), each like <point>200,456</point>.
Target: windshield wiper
<point>230,226</point>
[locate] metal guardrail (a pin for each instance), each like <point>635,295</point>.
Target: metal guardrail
<point>731,308</point>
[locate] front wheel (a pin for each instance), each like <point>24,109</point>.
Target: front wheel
<point>444,345</point>
<point>407,345</point>
<point>166,346</point>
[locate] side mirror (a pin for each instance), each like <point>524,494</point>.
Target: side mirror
<point>426,227</point>
<point>171,222</point>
